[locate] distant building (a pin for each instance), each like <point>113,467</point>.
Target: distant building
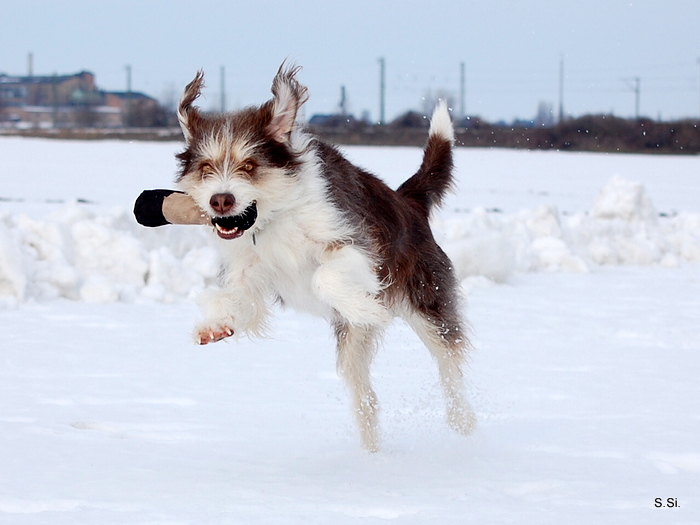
<point>71,101</point>
<point>134,109</point>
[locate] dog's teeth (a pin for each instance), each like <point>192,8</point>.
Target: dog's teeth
<point>224,230</point>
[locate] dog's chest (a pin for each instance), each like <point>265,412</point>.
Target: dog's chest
<point>287,259</point>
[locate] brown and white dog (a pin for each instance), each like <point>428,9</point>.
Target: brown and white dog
<point>300,225</point>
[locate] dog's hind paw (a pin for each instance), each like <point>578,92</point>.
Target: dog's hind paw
<point>211,334</point>
<point>462,422</point>
<point>461,419</point>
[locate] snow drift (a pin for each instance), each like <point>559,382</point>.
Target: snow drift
<point>622,227</point>
<point>585,384</point>
<point>94,254</point>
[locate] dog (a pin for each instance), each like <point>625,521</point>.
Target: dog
<point>300,225</point>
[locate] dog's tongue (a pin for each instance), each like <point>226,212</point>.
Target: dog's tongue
<point>233,227</point>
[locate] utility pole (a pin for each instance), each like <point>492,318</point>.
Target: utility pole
<point>635,86</point>
<point>127,116</point>
<point>54,100</point>
<point>128,80</point>
<point>343,102</point>
<point>382,90</point>
<point>223,89</point>
<point>637,82</point>
<point>462,92</point>
<point>30,65</point>
<point>561,89</point>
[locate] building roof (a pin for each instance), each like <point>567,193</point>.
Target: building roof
<point>131,95</point>
<point>40,79</point>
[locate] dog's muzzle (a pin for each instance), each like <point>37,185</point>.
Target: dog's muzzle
<point>232,227</point>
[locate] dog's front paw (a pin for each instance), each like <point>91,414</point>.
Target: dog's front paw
<point>211,333</point>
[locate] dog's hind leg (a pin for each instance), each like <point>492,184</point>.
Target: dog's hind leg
<point>356,348</point>
<point>447,342</point>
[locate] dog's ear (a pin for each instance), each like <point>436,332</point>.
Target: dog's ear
<point>289,96</point>
<point>187,114</point>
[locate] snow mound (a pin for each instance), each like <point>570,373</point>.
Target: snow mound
<point>102,256</point>
<point>622,227</point>
<point>92,254</point>
<point>625,200</point>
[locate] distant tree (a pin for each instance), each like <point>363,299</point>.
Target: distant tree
<point>145,113</point>
<point>86,116</point>
<point>430,99</point>
<point>337,122</point>
<point>85,104</point>
<point>169,98</point>
<point>410,119</point>
<point>545,115</point>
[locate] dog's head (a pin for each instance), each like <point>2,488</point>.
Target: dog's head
<point>238,166</point>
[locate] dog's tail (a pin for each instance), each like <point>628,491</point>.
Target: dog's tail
<point>428,187</point>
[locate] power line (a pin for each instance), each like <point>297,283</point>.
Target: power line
<point>382,90</point>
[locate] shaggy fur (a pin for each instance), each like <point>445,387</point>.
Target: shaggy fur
<point>301,225</point>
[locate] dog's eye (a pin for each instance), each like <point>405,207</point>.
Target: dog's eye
<point>248,166</point>
<point>206,170</point>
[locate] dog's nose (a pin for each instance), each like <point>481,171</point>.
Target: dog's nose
<point>222,203</point>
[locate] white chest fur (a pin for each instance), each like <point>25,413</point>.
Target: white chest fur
<point>288,260</point>
<point>280,259</point>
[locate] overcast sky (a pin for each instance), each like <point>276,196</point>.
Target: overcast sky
<point>511,50</point>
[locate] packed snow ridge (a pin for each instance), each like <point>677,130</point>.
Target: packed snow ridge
<point>91,254</point>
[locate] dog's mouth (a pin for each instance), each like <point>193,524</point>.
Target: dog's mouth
<point>232,227</point>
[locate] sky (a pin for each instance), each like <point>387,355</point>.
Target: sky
<point>512,51</point>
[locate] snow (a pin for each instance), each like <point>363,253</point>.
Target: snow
<point>96,253</point>
<point>582,278</point>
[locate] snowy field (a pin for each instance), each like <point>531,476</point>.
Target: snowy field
<point>582,273</point>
